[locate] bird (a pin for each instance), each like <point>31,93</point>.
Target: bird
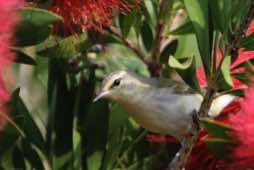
<point>161,106</point>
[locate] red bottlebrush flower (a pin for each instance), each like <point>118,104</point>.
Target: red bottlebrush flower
<point>157,139</point>
<point>243,57</point>
<point>243,125</point>
<point>250,30</point>
<point>201,158</point>
<point>8,20</point>
<point>79,15</point>
<point>239,115</point>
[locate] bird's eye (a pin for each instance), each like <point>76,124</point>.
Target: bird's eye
<point>116,82</point>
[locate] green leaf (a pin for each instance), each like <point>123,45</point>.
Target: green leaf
<point>18,158</point>
<point>43,158</point>
<point>63,48</point>
<point>243,78</point>
<point>220,147</point>
<point>216,129</point>
<point>150,12</point>
<point>225,69</point>
<point>147,36</point>
<point>147,163</point>
<point>198,13</point>
<point>22,132</point>
<point>38,16</point>
<point>170,49</point>
<point>126,22</point>
<point>185,28</point>
<point>23,58</point>
<point>224,81</point>
<point>174,63</point>
<point>221,11</point>
<point>248,42</point>
<point>239,10</point>
<point>186,69</point>
<point>24,37</point>
<point>6,157</point>
<point>83,102</point>
<point>118,119</point>
<point>60,121</point>
<point>96,134</point>
<point>23,118</point>
<point>30,155</point>
<point>11,135</point>
<point>35,21</point>
<point>237,92</point>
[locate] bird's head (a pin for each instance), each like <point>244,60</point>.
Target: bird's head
<point>120,84</point>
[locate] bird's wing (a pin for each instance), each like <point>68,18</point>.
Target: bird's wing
<point>177,87</point>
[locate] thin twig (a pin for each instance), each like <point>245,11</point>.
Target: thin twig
<point>161,23</point>
<point>214,53</point>
<point>128,43</point>
<point>164,9</point>
<point>157,43</point>
<point>187,143</point>
<point>233,47</point>
<point>125,154</point>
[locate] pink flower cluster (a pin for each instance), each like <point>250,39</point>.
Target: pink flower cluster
<point>8,21</point>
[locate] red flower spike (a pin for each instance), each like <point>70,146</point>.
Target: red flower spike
<point>80,15</point>
<point>8,20</point>
<point>239,115</point>
<point>243,125</point>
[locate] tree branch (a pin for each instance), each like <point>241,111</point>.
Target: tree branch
<point>128,43</point>
<point>165,6</point>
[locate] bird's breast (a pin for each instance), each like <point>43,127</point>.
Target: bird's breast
<point>162,111</point>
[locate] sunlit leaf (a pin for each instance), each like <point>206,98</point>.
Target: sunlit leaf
<point>150,12</point>
<point>185,28</point>
<point>198,13</point>
<point>186,69</point>
<point>225,69</point>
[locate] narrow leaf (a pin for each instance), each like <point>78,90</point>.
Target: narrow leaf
<point>186,69</point>
<point>169,50</point>
<point>216,129</point>
<point>198,13</point>
<point>225,69</point>
<point>220,147</point>
<point>185,28</point>
<point>38,16</point>
<point>147,36</point>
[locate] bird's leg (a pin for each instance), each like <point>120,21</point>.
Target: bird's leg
<point>195,123</point>
<point>187,143</point>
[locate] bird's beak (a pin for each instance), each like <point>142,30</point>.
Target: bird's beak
<point>100,95</point>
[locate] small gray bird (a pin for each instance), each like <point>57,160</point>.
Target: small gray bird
<point>161,106</point>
